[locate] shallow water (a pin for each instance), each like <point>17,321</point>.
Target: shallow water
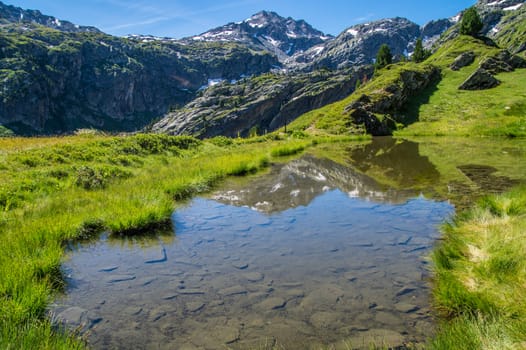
<point>312,254</point>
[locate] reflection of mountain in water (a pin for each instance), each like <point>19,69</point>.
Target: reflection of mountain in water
<point>300,181</point>
<point>398,161</point>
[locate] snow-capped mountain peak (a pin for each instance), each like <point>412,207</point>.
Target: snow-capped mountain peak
<point>270,31</point>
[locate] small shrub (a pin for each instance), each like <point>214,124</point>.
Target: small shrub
<point>89,179</point>
<point>96,178</point>
<point>221,141</point>
<point>59,174</point>
<point>30,161</point>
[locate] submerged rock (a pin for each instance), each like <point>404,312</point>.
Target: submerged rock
<point>120,278</point>
<point>77,318</point>
<point>406,307</point>
<point>254,276</point>
<point>273,303</point>
<point>235,290</point>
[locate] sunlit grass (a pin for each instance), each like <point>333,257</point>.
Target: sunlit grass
<point>480,276</point>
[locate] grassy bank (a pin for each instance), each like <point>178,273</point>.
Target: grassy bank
<point>56,189</point>
<point>480,276</point>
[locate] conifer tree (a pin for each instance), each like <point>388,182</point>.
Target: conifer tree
<point>471,23</point>
<point>383,57</point>
<point>419,54</point>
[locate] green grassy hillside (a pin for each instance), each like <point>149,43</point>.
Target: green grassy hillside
<point>439,109</point>
<point>446,110</point>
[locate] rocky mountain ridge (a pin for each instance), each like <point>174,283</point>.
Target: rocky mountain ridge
<point>12,14</point>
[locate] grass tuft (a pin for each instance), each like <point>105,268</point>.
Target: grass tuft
<point>480,275</point>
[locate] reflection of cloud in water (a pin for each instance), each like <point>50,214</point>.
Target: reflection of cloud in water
<point>300,181</point>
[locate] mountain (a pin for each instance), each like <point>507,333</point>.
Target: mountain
<point>57,77</point>
<point>268,31</point>
<point>11,14</point>
<point>359,44</point>
<point>56,81</point>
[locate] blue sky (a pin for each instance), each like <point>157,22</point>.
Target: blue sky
<point>176,18</point>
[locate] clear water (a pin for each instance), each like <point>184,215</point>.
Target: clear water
<point>312,254</point>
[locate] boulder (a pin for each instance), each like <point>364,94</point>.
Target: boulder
<point>481,79</point>
<point>463,60</point>
<point>371,123</point>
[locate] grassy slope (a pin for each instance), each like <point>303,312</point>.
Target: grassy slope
<point>331,118</point>
<point>50,197</point>
<point>480,284</point>
<point>500,111</point>
<point>441,109</point>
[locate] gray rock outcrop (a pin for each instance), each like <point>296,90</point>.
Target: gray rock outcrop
<point>390,100</point>
<point>463,60</point>
<point>481,79</point>
<point>260,104</point>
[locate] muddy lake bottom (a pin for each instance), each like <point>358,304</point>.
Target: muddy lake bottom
<point>338,272</point>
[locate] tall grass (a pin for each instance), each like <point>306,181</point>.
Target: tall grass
<point>55,191</point>
<point>480,276</point>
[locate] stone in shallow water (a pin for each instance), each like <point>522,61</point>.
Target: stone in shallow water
<point>216,337</point>
<point>109,268</point>
<point>120,278</point>
<point>323,297</point>
<point>387,318</point>
<point>351,277</point>
<point>77,318</point>
<point>240,265</point>
<point>235,290</point>
<point>273,303</point>
<point>191,291</point>
<point>195,306</point>
<point>294,293</point>
<point>156,314</point>
<point>156,256</point>
<point>254,276</point>
<point>404,291</point>
<point>328,320</point>
<point>406,307</point>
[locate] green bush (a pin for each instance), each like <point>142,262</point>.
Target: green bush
<point>471,23</point>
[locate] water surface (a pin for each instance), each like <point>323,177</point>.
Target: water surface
<point>314,253</point>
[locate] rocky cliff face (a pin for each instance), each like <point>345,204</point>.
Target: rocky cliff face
<point>268,31</point>
<point>55,81</point>
<point>263,103</point>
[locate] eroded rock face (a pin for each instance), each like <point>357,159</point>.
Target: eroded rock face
<point>263,104</point>
<point>463,60</point>
<point>481,79</point>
